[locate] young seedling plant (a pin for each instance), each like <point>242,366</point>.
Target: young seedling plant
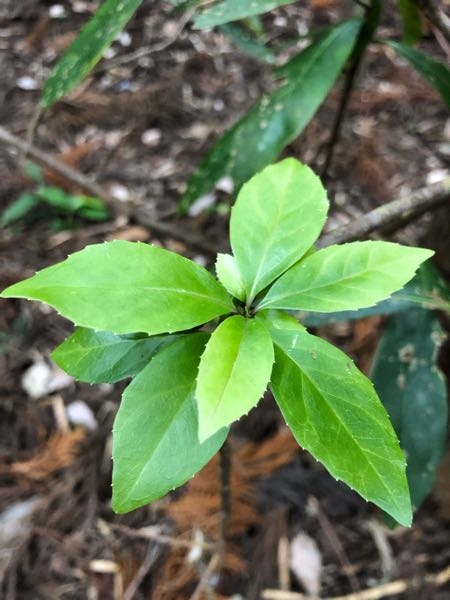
<point>201,351</point>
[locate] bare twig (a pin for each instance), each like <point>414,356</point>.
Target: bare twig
<point>141,52</point>
<point>149,560</point>
<point>119,208</point>
<point>392,215</point>
<point>436,15</point>
<point>51,162</point>
<point>375,593</point>
<point>203,584</point>
<point>335,543</point>
<point>149,533</point>
<point>378,533</point>
<point>225,493</point>
<point>366,32</point>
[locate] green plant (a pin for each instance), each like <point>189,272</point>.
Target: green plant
<point>61,204</point>
<point>202,351</point>
<point>280,116</point>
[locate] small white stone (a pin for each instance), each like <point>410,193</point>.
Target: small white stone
<point>201,204</point>
<point>79,413</point>
<point>151,137</point>
<point>27,83</point>
<point>57,11</point>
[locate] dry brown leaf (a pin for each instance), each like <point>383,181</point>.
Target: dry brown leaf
<point>200,507</point>
<point>58,453</point>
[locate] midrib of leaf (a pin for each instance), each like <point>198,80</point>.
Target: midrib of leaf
<point>119,288</point>
<point>342,425</point>
<point>225,387</point>
<point>271,237</point>
<point>160,438</point>
<point>344,280</point>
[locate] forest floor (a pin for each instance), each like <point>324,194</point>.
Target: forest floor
<point>139,127</point>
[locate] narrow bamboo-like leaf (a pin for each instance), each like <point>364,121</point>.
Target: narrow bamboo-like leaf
<point>434,71</point>
<point>277,118</point>
<point>87,49</point>
<point>233,374</point>
<point>234,10</point>
<point>127,287</point>
<point>229,276</point>
<point>336,415</point>
<point>104,357</point>
<point>248,43</point>
<point>413,392</point>
<point>412,25</point>
<point>155,442</point>
<point>277,216</point>
<point>346,277</point>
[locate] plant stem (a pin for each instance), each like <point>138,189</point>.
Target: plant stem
<point>365,36</point>
<point>225,493</point>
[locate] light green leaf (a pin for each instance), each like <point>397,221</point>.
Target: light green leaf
<point>277,118</point>
<point>277,216</point>
<point>233,374</point>
<point>278,319</point>
<point>336,415</point>
<point>427,289</point>
<point>18,209</point>
<point>127,287</point>
<point>413,392</point>
<point>234,10</point>
<point>412,24</point>
<point>155,443</point>
<point>434,71</point>
<point>345,277</point>
<point>104,357</point>
<point>87,48</point>
<point>229,276</point>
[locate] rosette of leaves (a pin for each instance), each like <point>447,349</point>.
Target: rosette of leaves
<point>201,350</point>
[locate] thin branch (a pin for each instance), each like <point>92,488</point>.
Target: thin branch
<point>436,15</point>
<point>375,593</point>
<point>225,493</point>
<point>146,51</point>
<point>119,208</point>
<point>149,560</point>
<point>203,584</point>
<point>392,215</point>
<point>149,533</point>
<point>366,33</point>
<point>51,162</point>
<point>335,543</point>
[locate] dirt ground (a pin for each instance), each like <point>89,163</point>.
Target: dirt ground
<point>139,127</point>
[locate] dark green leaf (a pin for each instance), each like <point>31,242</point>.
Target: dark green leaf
<point>277,216</point>
<point>336,415</point>
<point>413,391</point>
<point>412,25</point>
<point>233,374</point>
<point>435,72</point>
<point>248,43</point>
<point>234,10</point>
<point>277,118</point>
<point>103,357</point>
<point>349,276</point>
<point>87,49</point>
<point>155,436</point>
<point>127,287</point>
